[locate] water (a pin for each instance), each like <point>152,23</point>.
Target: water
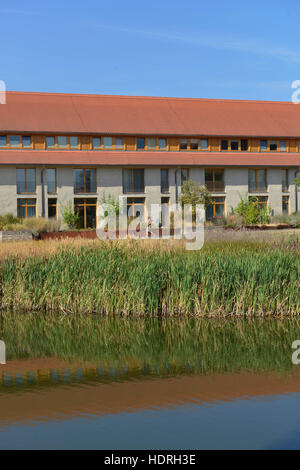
<point>178,402</point>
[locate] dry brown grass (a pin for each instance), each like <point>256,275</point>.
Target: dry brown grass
<point>29,249</point>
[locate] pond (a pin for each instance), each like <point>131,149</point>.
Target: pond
<point>76,382</point>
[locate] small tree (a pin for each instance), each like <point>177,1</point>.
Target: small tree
<point>70,217</point>
<point>193,193</point>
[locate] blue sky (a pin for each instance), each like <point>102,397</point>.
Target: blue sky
<point>192,48</point>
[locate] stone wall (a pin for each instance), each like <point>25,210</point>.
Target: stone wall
<point>14,236</point>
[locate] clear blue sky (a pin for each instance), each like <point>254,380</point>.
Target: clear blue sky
<point>192,48</point>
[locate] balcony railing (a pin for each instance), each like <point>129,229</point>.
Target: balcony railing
<point>215,187</point>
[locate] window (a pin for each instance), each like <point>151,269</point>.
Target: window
<point>257,180</point>
<point>224,144</point>
<point>3,141</point>
<point>216,209</point>
<point>194,144</point>
<point>214,179</point>
<point>263,145</point>
<point>119,142</point>
<point>26,208</point>
<point>62,141</point>
<point>164,180</point>
<point>135,207</point>
<point>51,180</point>
<point>244,145</point>
<point>107,142</point>
<point>273,145</point>
<point>50,142</point>
<point>285,205</point>
<point>282,145</point>
<point>73,139</point>
<point>14,141</point>
<point>261,201</point>
<point>96,142</point>
<point>85,181</point>
<point>52,208</point>
<point>299,146</point>
<point>133,180</point>
<point>204,144</point>
<point>26,141</point>
<point>140,143</point>
<point>86,209</point>
<point>184,175</point>
<point>162,144</point>
<point>25,180</point>
<point>285,179</point>
<point>165,217</point>
<point>151,143</point>
<point>234,145</point>
<point>183,144</point>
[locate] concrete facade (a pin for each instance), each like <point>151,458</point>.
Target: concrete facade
<point>109,181</point>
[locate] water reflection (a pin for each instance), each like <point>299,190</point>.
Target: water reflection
<point>188,396</point>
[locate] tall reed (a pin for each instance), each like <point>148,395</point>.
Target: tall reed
<point>127,279</point>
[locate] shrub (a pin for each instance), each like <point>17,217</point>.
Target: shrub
<point>251,213</point>
<point>9,219</point>
<point>40,224</point>
<point>70,217</point>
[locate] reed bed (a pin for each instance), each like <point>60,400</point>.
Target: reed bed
<point>153,345</point>
<point>146,278</point>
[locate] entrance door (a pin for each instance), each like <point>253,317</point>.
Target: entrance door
<point>86,208</point>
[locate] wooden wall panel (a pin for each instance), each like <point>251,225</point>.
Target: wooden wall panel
<point>39,142</point>
<point>214,144</point>
<point>130,143</point>
<point>85,142</point>
<point>292,145</point>
<point>173,143</point>
<point>254,145</point>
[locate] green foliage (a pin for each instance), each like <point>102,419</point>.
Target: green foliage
<point>251,213</point>
<point>70,217</point>
<point>193,193</point>
<point>9,219</point>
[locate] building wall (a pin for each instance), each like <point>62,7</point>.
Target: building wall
<point>109,181</point>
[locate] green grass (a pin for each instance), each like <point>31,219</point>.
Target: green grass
<point>111,278</point>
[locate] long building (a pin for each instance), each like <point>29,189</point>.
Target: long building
<point>56,148</point>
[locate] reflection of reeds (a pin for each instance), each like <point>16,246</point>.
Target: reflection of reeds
<point>152,345</point>
<point>143,278</point>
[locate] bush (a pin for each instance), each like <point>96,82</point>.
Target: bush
<point>70,217</point>
<point>40,224</point>
<point>251,213</point>
<point>9,219</point>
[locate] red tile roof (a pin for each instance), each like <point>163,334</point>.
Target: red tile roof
<point>121,158</point>
<point>70,113</point>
